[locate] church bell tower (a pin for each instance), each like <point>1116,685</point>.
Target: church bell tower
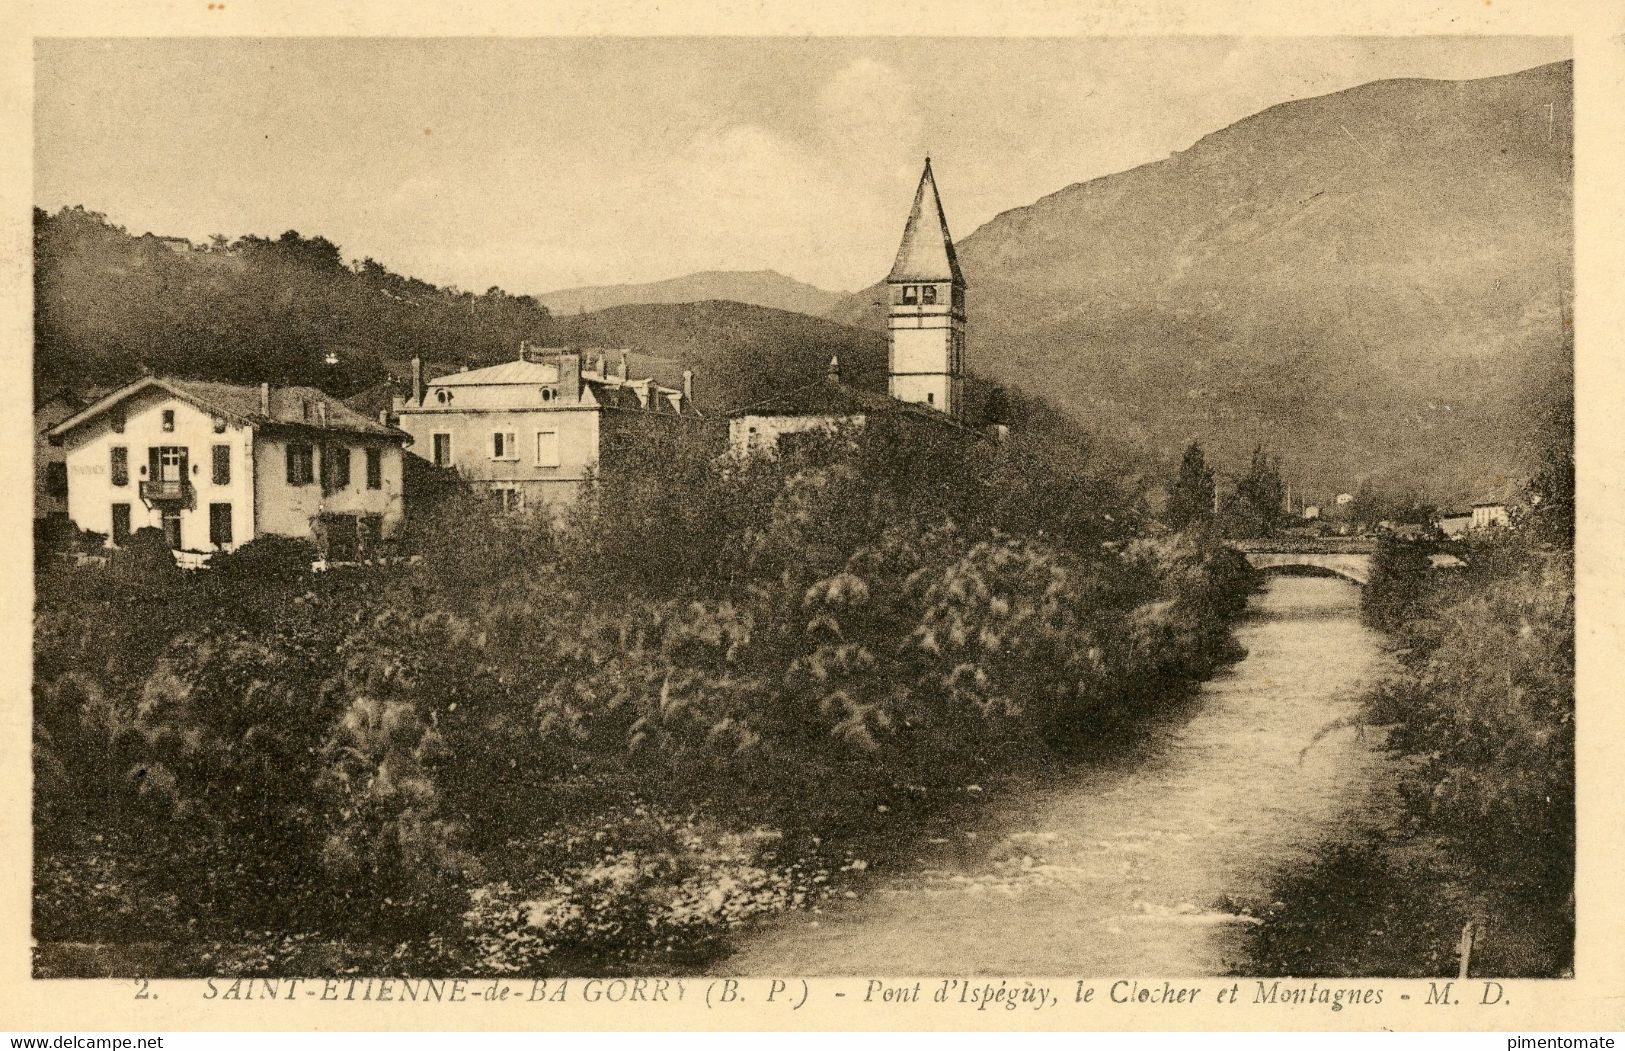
<point>926,309</point>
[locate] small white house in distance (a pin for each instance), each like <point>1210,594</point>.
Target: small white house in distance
<point>216,465</point>
<point>1487,514</point>
<point>1455,523</point>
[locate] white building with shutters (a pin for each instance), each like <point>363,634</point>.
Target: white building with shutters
<point>215,465</point>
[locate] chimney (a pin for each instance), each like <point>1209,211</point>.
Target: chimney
<point>688,388</point>
<point>834,372</point>
<point>570,377</point>
<point>417,380</point>
<point>524,347</point>
<point>265,400</point>
<point>622,369</point>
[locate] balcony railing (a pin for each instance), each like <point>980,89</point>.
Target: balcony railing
<point>165,490</point>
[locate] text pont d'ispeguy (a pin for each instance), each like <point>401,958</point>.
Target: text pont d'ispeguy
<point>979,994</point>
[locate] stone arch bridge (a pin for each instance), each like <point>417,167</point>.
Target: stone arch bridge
<point>1347,556</point>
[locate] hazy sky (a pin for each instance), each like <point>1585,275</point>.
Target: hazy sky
<point>536,164</point>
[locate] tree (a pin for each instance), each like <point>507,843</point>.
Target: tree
<point>1190,501</point>
<point>1254,509</point>
<point>1549,517</point>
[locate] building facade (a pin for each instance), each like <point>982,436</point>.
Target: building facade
<point>215,465</point>
<point>533,432</point>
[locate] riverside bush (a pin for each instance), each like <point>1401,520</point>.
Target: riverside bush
<point>1485,703</point>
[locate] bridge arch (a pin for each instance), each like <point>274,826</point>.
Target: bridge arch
<point>1355,568</point>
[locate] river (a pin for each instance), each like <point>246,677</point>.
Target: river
<point>1128,865</point>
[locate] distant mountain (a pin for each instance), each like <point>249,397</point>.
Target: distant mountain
<point>763,288</point>
<point>1374,283</point>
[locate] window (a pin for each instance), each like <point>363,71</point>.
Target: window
<point>443,396</point>
<point>301,464</point>
<point>116,420</point>
<point>341,466</point>
<point>928,293</point>
<point>121,523</point>
<point>220,525</point>
<point>335,468</point>
<point>442,450</point>
<point>510,498</point>
<point>547,394</point>
<point>172,463</point>
<point>119,465</point>
<point>911,294</point>
<point>930,398</point>
<point>222,465</point>
<point>504,446</point>
<point>375,468</point>
<point>547,448</point>
<point>169,419</point>
<point>56,479</point>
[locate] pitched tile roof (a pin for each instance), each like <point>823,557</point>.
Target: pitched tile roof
<point>614,395</point>
<point>516,372</point>
<point>927,252</point>
<point>294,407</point>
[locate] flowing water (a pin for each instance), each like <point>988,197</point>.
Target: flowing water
<point>1129,864</point>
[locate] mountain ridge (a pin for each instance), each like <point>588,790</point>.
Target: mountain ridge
<point>766,288</point>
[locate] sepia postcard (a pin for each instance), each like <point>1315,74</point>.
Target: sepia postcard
<point>724,518</point>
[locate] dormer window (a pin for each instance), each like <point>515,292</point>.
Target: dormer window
<point>115,419</point>
<point>220,425</point>
<point>169,419</point>
<point>928,294</point>
<point>911,294</point>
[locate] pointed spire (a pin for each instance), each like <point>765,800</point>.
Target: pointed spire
<point>927,252</point>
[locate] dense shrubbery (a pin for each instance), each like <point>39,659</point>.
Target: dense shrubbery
<point>1485,703</point>
<point>615,739</point>
<point>1401,580</point>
